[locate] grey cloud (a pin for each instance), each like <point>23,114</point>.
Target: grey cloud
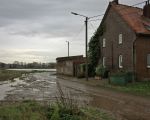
<point>47,24</point>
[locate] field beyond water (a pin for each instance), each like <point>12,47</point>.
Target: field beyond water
<point>10,74</point>
<point>31,110</point>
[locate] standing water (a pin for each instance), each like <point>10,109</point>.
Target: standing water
<point>37,86</point>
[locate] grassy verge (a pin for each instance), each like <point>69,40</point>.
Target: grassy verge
<point>10,74</point>
<point>30,110</point>
<point>138,88</point>
<point>22,111</point>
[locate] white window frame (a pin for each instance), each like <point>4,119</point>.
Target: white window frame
<point>104,42</point>
<point>104,62</point>
<point>120,61</point>
<point>120,38</point>
<point>148,58</point>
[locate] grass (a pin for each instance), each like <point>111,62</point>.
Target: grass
<point>97,114</point>
<point>10,74</point>
<point>22,111</point>
<point>138,88</point>
<point>31,110</point>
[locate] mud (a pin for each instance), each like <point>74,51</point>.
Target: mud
<point>40,87</point>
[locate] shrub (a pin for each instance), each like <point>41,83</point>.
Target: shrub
<point>122,76</point>
<point>118,74</point>
<point>100,71</point>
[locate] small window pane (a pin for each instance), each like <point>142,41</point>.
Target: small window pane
<point>148,60</point>
<point>120,61</point>
<point>104,61</point>
<point>120,38</point>
<point>104,42</point>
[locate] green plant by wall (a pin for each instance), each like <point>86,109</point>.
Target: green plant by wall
<point>94,52</point>
<point>100,70</point>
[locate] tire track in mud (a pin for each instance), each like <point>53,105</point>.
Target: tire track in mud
<point>124,106</point>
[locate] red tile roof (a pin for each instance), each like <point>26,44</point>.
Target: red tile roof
<point>133,16</point>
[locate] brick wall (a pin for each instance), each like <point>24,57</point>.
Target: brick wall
<point>115,25</point>
<point>142,48</point>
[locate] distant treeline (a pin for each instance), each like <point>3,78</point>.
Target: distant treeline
<point>22,65</point>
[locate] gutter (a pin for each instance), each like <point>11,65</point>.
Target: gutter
<point>143,35</point>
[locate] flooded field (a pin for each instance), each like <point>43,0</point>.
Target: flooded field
<point>36,86</point>
<point>41,87</point>
<point>46,70</point>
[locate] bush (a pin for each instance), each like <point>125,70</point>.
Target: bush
<point>82,70</point>
<point>121,78</point>
<point>128,75</point>
<point>118,74</point>
<point>100,71</point>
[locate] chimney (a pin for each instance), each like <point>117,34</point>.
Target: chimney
<point>146,10</point>
<point>115,1</point>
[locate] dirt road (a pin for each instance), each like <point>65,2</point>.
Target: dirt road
<point>124,106</point>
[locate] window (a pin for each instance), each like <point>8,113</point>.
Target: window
<point>104,61</point>
<point>104,42</point>
<point>120,61</point>
<point>148,61</point>
<point>120,38</point>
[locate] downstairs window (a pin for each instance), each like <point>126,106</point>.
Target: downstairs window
<point>148,61</point>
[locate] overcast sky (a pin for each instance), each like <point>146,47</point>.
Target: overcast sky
<point>37,30</point>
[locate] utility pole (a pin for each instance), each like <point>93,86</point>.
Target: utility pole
<point>86,47</point>
<point>86,42</point>
<point>86,38</point>
<point>68,47</point>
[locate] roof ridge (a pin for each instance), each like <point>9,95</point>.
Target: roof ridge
<point>126,6</point>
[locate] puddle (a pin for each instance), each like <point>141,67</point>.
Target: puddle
<point>3,89</point>
<point>8,86</point>
<point>32,86</point>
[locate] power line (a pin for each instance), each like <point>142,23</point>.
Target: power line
<point>77,35</point>
<point>96,16</point>
<point>138,3</point>
<point>95,20</point>
<point>92,26</point>
<point>119,9</point>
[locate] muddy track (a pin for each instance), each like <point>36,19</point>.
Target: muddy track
<point>124,106</point>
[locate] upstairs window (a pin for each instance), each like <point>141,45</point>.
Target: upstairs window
<point>104,61</point>
<point>148,61</point>
<point>120,38</point>
<point>120,61</point>
<point>104,42</point>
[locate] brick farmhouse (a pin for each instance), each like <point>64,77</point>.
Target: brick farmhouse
<point>126,40</point>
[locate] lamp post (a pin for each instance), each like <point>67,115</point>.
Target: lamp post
<point>86,41</point>
<point>68,47</point>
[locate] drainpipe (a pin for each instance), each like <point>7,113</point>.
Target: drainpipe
<point>112,55</point>
<point>134,64</point>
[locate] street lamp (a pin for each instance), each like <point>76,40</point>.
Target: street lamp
<point>68,47</point>
<point>86,40</point>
